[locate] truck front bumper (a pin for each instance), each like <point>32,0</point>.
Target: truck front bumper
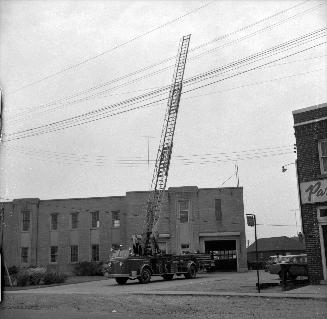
<point>106,274</point>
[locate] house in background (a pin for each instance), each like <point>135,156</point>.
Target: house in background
<point>272,246</point>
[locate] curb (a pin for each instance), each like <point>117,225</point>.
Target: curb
<point>232,294</point>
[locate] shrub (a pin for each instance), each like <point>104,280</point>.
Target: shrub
<point>36,274</point>
<point>22,278</point>
<point>88,268</point>
<point>54,278</point>
<point>13,271</point>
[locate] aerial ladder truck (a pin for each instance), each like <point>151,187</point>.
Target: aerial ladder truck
<point>145,259</point>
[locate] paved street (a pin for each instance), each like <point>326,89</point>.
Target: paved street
<point>178,298</point>
<point>206,282</point>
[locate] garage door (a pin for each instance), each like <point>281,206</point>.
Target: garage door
<point>224,254</point>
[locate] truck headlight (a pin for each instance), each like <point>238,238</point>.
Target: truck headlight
<point>121,264</point>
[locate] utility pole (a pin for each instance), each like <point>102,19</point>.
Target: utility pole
<point>148,137</point>
<point>2,224</point>
<point>0,115</point>
<point>252,222</point>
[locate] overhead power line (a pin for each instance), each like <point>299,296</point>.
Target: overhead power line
<point>18,119</point>
<point>117,112</point>
<point>74,66</point>
<point>94,115</point>
<point>186,159</point>
<point>65,100</point>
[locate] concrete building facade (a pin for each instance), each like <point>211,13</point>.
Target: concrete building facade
<point>310,125</point>
<point>59,233</point>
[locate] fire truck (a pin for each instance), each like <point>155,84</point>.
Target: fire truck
<point>145,259</point>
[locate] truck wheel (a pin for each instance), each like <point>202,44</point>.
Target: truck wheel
<point>168,276</point>
<point>145,276</point>
<point>191,272</point>
<point>121,280</point>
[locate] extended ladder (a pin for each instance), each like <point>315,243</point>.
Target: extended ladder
<point>161,169</point>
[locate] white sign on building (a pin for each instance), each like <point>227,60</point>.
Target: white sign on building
<point>314,192</point>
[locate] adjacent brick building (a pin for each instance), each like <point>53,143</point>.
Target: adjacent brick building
<point>310,125</point>
<point>59,233</point>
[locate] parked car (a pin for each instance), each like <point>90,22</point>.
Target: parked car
<point>275,267</point>
<point>271,260</point>
<point>299,266</point>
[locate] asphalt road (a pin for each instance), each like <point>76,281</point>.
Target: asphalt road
<point>105,299</point>
<point>207,282</point>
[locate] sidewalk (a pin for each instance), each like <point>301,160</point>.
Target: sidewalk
<point>307,292</point>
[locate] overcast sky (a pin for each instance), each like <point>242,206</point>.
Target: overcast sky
<point>62,59</point>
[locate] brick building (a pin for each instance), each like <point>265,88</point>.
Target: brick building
<point>58,233</point>
<point>310,125</point>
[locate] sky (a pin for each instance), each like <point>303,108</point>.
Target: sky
<point>89,64</point>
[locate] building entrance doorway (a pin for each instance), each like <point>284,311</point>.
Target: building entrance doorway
<point>224,254</point>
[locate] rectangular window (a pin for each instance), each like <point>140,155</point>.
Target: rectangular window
<point>95,219</point>
<point>24,255</point>
<point>74,254</point>
<point>224,254</point>
<point>53,254</point>
<point>95,253</point>
<point>323,156</point>
<point>74,220</point>
<point>26,220</point>
<point>115,219</point>
<point>183,211</point>
<point>54,221</point>
<point>115,246</point>
<point>185,248</point>
<point>218,212</point>
<point>163,247</point>
<point>323,212</point>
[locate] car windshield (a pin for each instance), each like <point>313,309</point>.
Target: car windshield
<point>272,259</point>
<point>301,259</point>
<point>284,259</point>
<point>120,253</point>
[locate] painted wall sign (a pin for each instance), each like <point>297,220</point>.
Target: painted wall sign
<point>314,192</point>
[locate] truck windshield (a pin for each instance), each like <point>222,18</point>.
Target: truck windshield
<point>120,253</point>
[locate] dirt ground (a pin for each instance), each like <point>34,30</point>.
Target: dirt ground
<point>170,306</point>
